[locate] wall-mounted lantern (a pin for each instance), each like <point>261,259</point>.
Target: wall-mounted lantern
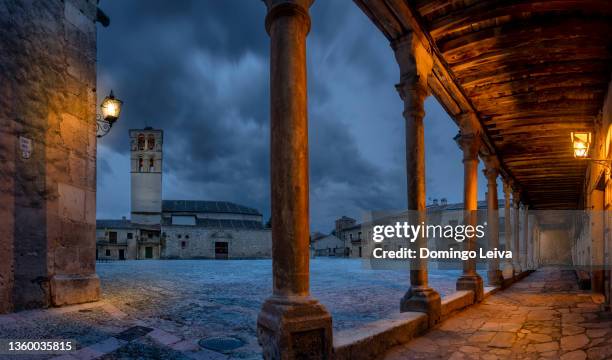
<point>581,141</point>
<point>110,112</point>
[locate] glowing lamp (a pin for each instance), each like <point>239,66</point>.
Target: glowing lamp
<point>581,142</point>
<point>111,108</point>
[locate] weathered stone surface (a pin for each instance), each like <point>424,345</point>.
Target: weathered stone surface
<point>549,346</point>
<point>502,340</point>
<point>574,355</point>
<point>573,342</point>
<point>74,289</point>
<point>48,97</point>
<point>524,322</point>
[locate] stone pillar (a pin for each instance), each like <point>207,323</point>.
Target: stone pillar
<point>470,144</point>
<point>531,244</point>
<point>413,90</point>
<point>491,172</point>
<point>516,254</point>
<point>525,242</point>
<point>291,324</point>
<point>508,271</point>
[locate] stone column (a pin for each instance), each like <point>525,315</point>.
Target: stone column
<point>412,89</point>
<point>516,254</point>
<point>491,172</point>
<point>526,239</point>
<point>508,267</point>
<point>470,144</point>
<point>291,324</point>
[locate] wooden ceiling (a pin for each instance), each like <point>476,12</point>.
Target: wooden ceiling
<point>533,71</point>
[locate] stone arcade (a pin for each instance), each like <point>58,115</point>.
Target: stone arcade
<point>176,229</point>
<point>516,77</point>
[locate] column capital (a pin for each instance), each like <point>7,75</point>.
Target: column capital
<point>469,143</point>
<point>279,8</point>
<point>491,170</point>
<point>413,94</point>
<point>516,198</point>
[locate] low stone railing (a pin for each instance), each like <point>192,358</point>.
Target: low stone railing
<point>376,338</point>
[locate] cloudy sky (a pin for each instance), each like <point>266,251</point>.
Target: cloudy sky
<point>199,70</point>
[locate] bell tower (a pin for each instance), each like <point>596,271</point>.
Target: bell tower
<point>146,175</point>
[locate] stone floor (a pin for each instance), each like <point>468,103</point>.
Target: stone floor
<point>544,316</point>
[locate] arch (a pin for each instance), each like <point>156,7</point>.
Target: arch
<point>141,142</point>
<point>151,142</point>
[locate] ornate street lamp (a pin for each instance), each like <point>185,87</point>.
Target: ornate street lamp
<point>110,111</point>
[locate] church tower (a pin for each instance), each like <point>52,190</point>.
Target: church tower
<point>146,175</point>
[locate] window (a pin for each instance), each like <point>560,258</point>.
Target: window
<point>359,235</point>
<point>151,165</point>
<point>150,235</point>
<point>141,142</point>
<point>351,237</point>
<point>179,236</point>
<point>107,252</point>
<point>140,164</point>
<point>112,237</point>
<point>130,235</point>
<point>151,142</point>
<point>186,236</point>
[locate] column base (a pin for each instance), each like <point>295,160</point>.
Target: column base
<point>294,328</point>
<point>508,271</point>
<point>74,289</point>
<point>517,269</point>
<point>495,277</point>
<point>473,283</point>
<point>425,300</point>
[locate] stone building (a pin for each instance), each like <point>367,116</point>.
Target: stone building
<point>122,240</point>
<point>329,245</point>
<point>47,153</point>
<point>176,229</point>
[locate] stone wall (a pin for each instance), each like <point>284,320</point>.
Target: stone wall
<point>48,95</point>
<point>555,247</point>
<point>199,243</point>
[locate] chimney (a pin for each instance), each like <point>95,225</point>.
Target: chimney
<point>435,202</point>
<point>443,202</point>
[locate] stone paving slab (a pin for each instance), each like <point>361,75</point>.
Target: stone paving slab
<point>535,319</point>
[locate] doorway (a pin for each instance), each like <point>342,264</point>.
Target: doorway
<point>121,254</point>
<point>221,250</point>
<point>148,252</point>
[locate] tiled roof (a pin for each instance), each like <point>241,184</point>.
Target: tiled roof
<point>113,224</point>
<point>198,206</point>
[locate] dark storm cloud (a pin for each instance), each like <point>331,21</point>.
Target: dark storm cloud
<point>199,71</point>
